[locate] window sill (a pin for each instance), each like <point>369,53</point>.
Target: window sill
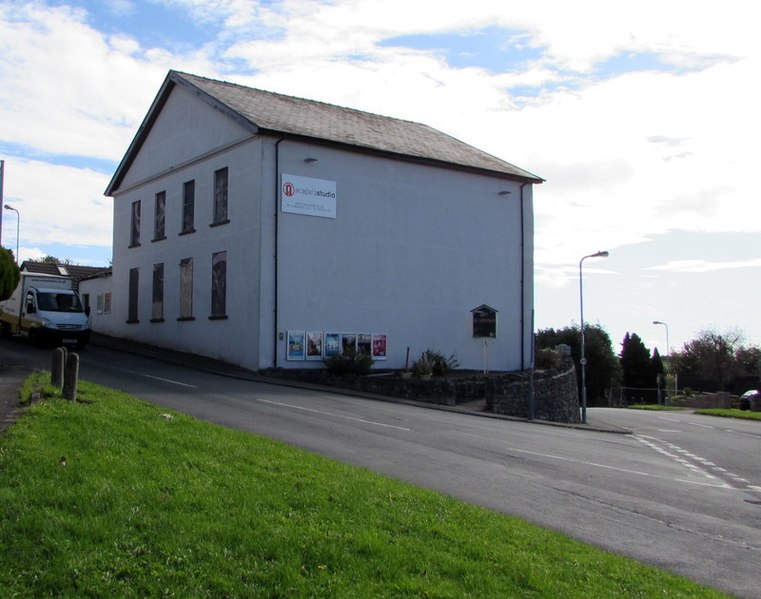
<point>219,223</point>
<point>134,245</point>
<point>188,232</point>
<point>156,320</point>
<point>218,317</point>
<point>186,318</point>
<point>133,322</point>
<point>155,239</point>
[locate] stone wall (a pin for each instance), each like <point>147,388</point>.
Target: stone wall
<point>556,396</point>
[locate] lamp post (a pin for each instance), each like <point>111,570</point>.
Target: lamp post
<point>668,348</point>
<point>668,355</point>
<point>583,359</point>
<point>18,226</point>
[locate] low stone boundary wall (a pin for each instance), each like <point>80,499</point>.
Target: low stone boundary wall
<point>720,399</point>
<point>556,396</point>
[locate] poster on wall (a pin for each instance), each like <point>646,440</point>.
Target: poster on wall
<point>379,347</point>
<point>314,345</point>
<point>348,342</point>
<point>308,196</point>
<point>295,345</point>
<point>365,343</point>
<point>332,344</point>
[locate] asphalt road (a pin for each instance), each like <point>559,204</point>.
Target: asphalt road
<point>683,492</point>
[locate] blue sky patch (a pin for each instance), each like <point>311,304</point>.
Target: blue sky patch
<point>494,49</point>
<point>98,165</point>
<point>152,24</point>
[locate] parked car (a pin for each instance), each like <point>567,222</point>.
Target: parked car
<point>746,398</point>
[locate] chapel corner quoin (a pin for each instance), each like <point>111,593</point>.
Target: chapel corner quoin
<point>269,231</point>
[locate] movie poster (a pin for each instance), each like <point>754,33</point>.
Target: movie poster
<point>332,344</point>
<point>348,342</point>
<point>314,345</point>
<point>379,347</point>
<point>296,344</point>
<point>365,343</point>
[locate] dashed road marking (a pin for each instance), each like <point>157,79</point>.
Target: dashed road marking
<point>696,464</point>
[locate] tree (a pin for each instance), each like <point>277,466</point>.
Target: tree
<point>636,363</point>
<point>50,260</point>
<point>711,356</point>
<point>9,273</point>
<point>603,368</point>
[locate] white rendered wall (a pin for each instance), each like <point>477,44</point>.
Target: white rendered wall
<point>413,249</point>
<point>234,339</point>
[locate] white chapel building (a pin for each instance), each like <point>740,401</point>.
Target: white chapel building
<point>272,231</point>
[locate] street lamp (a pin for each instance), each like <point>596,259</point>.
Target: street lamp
<point>583,360</point>
<point>18,223</point>
<point>668,347</point>
<point>668,355</point>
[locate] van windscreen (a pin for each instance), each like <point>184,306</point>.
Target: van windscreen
<point>58,302</point>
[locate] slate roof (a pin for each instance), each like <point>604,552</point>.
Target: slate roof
<point>75,271</point>
<point>270,113</point>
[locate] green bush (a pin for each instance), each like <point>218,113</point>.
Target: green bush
<point>349,362</point>
<point>439,363</point>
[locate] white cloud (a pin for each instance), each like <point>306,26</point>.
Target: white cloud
<point>702,266</point>
<point>627,156</point>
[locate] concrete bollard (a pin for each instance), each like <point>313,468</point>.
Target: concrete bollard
<point>56,373</point>
<point>71,377</point>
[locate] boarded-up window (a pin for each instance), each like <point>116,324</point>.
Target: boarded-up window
<point>186,288</point>
<point>134,284</point>
<point>220,196</point>
<point>218,283</point>
<point>134,237</point>
<point>159,217</point>
<point>157,310</point>
<point>188,206</point>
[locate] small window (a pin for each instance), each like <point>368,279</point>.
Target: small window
<point>134,284</point>
<point>159,217</point>
<point>62,270</point>
<point>186,289</point>
<point>220,196</point>
<point>107,303</point>
<point>134,238</point>
<point>218,285</point>
<point>157,310</point>
<point>188,207</point>
<point>99,304</point>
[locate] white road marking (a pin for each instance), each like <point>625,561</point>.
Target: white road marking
<point>332,414</point>
<point>158,378</point>
<point>654,442</point>
<point>701,425</point>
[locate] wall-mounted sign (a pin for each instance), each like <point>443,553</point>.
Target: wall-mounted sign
<point>484,322</point>
<point>308,196</point>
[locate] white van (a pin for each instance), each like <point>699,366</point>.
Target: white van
<point>46,309</point>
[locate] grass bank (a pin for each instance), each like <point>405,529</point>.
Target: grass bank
<point>113,497</point>
<point>730,413</point>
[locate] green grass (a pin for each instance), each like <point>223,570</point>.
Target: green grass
<point>113,497</point>
<point>654,407</point>
<point>730,413</point>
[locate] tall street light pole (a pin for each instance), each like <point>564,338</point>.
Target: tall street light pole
<point>18,226</point>
<point>2,178</point>
<point>583,359</point>
<point>668,347</point>
<point>668,355</point>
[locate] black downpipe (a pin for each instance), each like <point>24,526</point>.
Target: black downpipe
<point>277,253</point>
<point>523,284</point>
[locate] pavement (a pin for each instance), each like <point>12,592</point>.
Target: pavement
<point>12,377</point>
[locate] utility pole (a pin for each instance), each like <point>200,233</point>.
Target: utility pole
<point>2,174</point>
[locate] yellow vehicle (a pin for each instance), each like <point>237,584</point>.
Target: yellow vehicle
<point>46,309</point>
